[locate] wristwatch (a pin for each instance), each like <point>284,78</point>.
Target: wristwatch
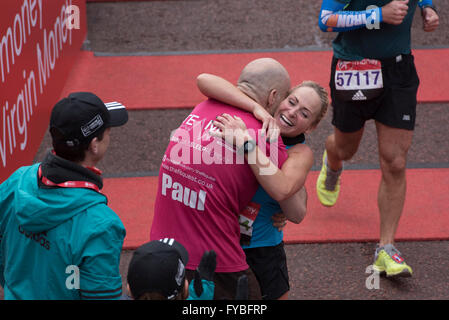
<point>247,147</point>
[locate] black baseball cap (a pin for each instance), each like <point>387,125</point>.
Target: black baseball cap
<point>158,266</point>
<point>82,115</point>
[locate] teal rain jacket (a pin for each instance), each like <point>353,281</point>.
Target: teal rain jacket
<point>57,243</point>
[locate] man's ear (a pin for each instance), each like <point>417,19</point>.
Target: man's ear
<point>272,98</point>
<point>93,146</point>
<point>186,289</point>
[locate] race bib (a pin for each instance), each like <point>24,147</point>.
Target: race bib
<point>246,221</point>
<point>358,80</point>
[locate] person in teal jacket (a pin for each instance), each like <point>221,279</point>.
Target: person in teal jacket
<point>58,238</point>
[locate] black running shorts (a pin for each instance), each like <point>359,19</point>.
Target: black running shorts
<point>394,107</point>
<point>269,264</point>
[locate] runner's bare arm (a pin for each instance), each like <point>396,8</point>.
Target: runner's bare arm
<point>220,89</point>
<point>295,207</point>
<point>280,184</point>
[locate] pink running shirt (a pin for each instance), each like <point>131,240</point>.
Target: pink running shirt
<point>204,185</point>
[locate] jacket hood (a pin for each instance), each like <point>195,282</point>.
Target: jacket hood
<point>40,209</point>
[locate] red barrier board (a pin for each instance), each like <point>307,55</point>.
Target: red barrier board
<point>39,41</point>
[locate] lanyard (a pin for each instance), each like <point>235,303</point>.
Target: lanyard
<point>70,184</point>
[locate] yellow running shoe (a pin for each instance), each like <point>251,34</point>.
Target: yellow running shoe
<point>328,184</point>
<point>388,261</point>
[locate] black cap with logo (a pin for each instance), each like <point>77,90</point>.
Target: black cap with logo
<point>82,115</point>
<point>158,266</point>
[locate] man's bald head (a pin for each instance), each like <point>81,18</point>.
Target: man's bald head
<point>266,81</point>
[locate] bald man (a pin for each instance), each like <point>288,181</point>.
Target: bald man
<point>265,81</point>
<point>204,184</point>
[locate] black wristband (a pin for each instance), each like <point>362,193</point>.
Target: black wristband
<point>432,6</point>
<point>247,147</point>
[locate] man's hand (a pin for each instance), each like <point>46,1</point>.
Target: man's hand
<point>279,220</point>
<point>395,11</point>
<point>430,19</point>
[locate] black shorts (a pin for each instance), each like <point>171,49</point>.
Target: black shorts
<point>270,267</point>
<point>394,107</point>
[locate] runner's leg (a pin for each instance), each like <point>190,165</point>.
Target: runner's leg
<point>342,146</point>
<point>393,148</point>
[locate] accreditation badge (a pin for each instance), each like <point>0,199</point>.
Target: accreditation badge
<point>246,221</point>
<point>358,80</point>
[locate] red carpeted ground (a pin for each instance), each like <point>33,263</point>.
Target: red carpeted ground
<point>168,81</point>
<point>354,218</point>
<point>118,0</point>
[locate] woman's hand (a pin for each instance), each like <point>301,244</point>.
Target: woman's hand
<point>232,129</point>
<point>269,125</point>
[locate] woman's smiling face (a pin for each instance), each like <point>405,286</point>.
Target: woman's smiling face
<point>297,113</point>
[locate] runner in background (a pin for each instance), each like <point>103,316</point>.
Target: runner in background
<point>373,76</point>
